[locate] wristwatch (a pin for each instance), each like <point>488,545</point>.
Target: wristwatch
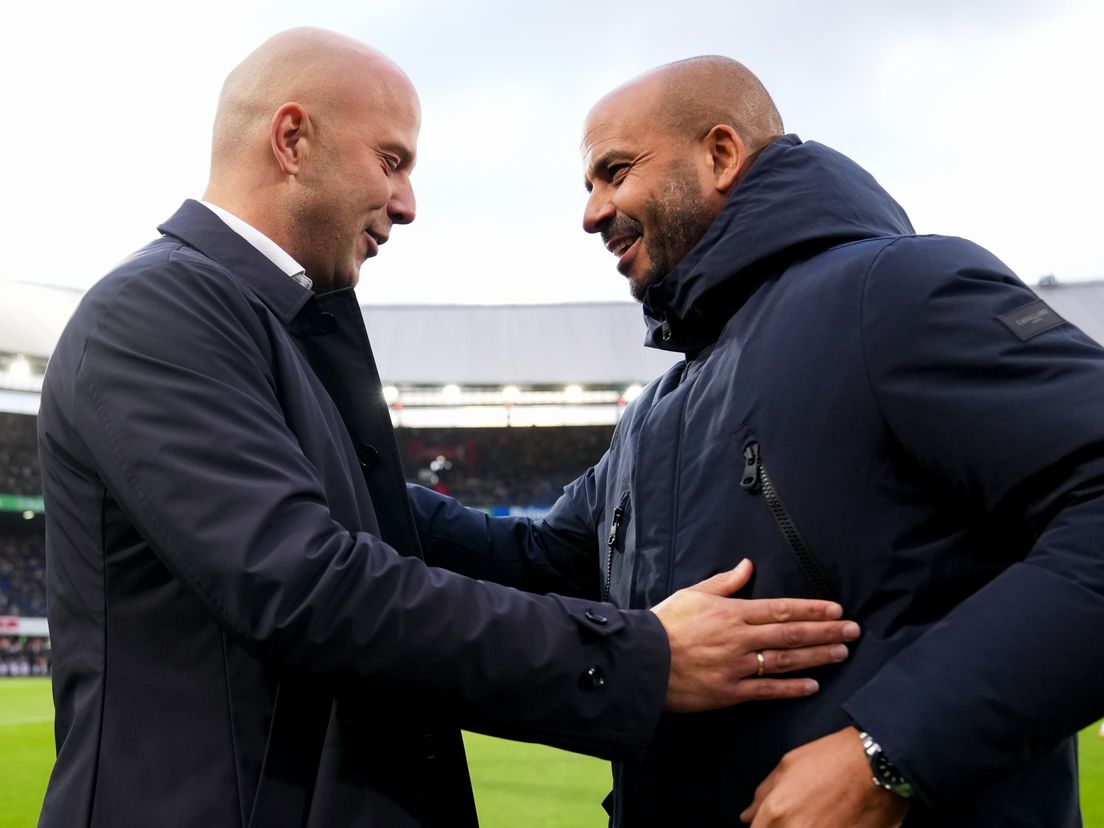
<point>885,772</point>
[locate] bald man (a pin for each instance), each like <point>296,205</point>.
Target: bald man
<point>887,420</point>
<point>244,630</point>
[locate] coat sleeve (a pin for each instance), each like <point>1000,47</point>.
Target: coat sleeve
<point>558,553</point>
<point>177,405</point>
<point>1011,427</point>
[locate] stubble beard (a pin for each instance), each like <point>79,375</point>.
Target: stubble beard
<point>679,219</point>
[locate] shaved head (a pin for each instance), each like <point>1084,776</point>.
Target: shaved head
<point>314,140</point>
<point>689,97</point>
<point>698,93</point>
<point>319,69</point>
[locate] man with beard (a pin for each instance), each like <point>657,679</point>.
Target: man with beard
<point>890,420</point>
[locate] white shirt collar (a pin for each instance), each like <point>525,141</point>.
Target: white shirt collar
<point>266,246</point>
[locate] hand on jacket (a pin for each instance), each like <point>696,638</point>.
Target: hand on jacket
<point>714,640</point>
<point>825,783</point>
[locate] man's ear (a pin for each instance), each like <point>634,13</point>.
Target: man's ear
<point>289,134</point>
<point>729,155</point>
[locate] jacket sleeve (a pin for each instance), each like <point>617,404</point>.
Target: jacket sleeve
<point>176,403</point>
<point>1011,426</point>
<point>558,553</point>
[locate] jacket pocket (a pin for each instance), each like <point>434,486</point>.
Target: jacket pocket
<point>615,542</point>
<point>757,481</point>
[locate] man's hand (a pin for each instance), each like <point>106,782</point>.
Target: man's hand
<point>715,640</point>
<point>827,783</point>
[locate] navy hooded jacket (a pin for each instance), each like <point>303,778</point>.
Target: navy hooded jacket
<point>890,420</point>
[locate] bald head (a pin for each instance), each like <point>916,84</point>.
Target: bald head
<point>315,137</point>
<point>319,69</point>
<point>689,97</point>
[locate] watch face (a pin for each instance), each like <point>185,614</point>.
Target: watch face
<point>886,771</point>
<point>888,777</point>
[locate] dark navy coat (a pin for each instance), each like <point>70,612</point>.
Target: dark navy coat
<point>887,419</point>
<point>234,643</point>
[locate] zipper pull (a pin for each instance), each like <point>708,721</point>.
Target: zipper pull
<point>750,482</point>
<point>615,525</point>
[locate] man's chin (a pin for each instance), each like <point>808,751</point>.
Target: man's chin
<point>638,285</point>
<point>638,282</point>
<point>638,289</point>
<point>350,277</point>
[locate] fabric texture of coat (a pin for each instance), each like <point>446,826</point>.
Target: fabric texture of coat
<point>244,632</point>
<point>891,420</point>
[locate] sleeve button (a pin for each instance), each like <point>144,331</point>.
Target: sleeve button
<point>593,678</point>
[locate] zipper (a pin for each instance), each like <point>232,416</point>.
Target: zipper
<point>755,481</point>
<point>611,543</point>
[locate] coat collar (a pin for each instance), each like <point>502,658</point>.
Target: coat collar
<point>202,230</point>
<point>798,199</point>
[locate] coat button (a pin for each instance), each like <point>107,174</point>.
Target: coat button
<point>368,455</point>
<point>597,618</point>
<point>430,747</point>
<point>593,678</point>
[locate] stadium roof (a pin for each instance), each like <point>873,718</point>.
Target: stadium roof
<point>600,343</point>
<point>32,316</point>
<point>1081,303</point>
<point>586,343</point>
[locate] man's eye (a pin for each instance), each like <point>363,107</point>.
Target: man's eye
<point>617,171</point>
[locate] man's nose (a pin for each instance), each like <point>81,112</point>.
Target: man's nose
<point>402,207</point>
<point>599,210</point>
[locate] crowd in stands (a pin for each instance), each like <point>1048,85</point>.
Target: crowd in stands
<point>23,572</point>
<point>18,455</point>
<point>487,467</point>
<point>24,656</point>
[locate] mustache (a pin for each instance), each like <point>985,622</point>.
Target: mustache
<point>621,226</point>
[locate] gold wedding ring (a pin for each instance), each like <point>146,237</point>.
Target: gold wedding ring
<point>762,663</point>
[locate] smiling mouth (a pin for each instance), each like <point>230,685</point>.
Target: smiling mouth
<point>619,246</point>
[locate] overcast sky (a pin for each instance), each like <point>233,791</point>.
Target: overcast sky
<point>982,117</point>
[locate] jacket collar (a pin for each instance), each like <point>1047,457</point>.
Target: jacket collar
<point>202,230</point>
<point>798,199</point>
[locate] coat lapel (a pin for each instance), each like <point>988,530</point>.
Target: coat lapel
<point>331,330</point>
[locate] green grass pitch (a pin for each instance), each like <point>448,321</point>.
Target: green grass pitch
<point>515,784</point>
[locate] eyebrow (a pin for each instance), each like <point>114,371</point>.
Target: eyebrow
<point>603,163</point>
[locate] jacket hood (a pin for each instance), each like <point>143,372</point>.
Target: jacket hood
<point>797,199</point>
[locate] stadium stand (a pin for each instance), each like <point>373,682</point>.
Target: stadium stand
<point>24,656</point>
<point>497,468</point>
<point>18,455</point>
<point>22,566</point>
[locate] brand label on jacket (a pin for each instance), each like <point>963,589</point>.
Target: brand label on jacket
<point>1031,319</point>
